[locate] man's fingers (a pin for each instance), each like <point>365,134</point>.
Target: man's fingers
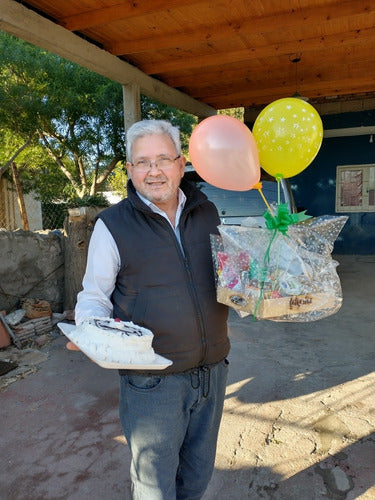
<point>72,347</point>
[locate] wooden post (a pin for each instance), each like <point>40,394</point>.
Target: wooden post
<point>78,227</point>
<point>132,104</point>
<point>20,198</point>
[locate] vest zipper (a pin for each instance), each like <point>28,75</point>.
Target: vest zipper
<point>193,291</point>
<point>187,268</point>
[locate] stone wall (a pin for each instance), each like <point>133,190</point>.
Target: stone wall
<point>31,265</point>
<point>46,265</point>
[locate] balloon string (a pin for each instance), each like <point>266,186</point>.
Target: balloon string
<point>266,261</point>
<point>258,186</point>
<point>278,180</point>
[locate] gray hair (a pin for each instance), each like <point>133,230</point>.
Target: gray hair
<point>149,127</point>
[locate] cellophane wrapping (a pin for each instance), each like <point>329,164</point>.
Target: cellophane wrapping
<point>276,276</point>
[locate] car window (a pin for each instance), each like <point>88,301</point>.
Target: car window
<point>235,206</point>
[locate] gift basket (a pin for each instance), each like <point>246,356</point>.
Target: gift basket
<point>283,271</point>
<point>281,275</point>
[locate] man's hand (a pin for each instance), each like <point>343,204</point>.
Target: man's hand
<point>72,347</point>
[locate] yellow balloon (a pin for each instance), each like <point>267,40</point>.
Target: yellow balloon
<point>288,133</point>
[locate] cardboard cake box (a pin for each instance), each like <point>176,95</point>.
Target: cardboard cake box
<point>267,308</point>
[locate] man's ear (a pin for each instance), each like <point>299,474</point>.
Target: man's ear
<point>129,169</point>
<point>182,161</point>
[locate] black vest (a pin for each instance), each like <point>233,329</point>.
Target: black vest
<point>164,289</point>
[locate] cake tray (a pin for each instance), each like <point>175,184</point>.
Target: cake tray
<point>159,362</point>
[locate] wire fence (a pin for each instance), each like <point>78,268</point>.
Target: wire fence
<point>34,217</point>
<point>53,215</point>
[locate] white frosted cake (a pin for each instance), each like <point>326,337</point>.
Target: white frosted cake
<point>115,343</point>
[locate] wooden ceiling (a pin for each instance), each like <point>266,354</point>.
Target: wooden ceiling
<point>231,53</point>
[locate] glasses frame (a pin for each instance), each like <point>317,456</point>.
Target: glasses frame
<point>153,162</point>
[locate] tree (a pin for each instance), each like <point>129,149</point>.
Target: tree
<point>153,110</point>
<point>74,114</point>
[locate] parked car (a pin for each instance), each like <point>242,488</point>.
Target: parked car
<point>235,206</point>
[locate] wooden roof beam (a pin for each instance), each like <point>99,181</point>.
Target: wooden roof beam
<point>331,66</point>
<point>123,10</point>
<point>249,97</point>
<point>354,37</point>
<point>265,24</point>
<point>313,88</point>
<point>348,57</point>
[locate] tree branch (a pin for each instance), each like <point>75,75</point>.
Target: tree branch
<point>103,177</point>
<point>60,164</point>
<point>8,164</point>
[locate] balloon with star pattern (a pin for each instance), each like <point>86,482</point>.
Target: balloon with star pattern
<point>288,133</point>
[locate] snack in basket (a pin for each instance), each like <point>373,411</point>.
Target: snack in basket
<point>276,276</point>
<point>115,343</point>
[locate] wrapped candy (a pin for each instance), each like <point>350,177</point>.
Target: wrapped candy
<point>280,273</point>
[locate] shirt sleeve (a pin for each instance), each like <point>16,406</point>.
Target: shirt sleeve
<point>103,264</point>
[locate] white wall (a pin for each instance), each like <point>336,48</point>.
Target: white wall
<point>10,217</point>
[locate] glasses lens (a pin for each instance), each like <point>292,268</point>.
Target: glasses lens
<point>142,165</point>
<point>164,162</point>
<point>161,162</point>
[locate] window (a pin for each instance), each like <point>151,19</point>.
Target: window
<point>355,188</point>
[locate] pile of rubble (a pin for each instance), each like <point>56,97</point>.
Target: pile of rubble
<point>28,325</point>
<point>22,333</point>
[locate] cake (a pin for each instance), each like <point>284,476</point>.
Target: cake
<point>114,341</point>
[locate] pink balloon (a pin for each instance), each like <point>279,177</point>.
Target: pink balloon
<point>224,153</point>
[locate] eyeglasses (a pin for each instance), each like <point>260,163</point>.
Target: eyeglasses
<point>163,162</point>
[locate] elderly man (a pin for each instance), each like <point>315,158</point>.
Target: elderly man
<point>149,262</point>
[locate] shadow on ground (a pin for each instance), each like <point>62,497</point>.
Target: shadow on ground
<point>333,478</point>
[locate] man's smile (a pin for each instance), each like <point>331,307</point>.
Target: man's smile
<point>155,183</point>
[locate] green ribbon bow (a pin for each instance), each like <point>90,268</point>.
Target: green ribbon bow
<point>283,218</point>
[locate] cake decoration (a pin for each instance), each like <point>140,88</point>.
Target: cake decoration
<point>113,343</point>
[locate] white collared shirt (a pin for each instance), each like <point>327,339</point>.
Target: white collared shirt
<point>103,265</point>
<point>180,207</point>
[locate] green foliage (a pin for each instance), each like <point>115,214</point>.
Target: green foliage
<point>72,121</point>
<point>76,115</point>
<point>153,110</point>
<point>37,171</point>
<point>234,112</point>
<point>97,200</point>
<point>118,179</point>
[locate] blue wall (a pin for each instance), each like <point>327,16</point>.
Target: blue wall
<point>315,188</point>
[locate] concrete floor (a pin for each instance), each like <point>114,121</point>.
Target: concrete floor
<point>298,422</point>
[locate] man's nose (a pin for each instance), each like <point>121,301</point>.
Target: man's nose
<point>153,163</point>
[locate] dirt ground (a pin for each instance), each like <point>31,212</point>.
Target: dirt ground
<point>298,422</point>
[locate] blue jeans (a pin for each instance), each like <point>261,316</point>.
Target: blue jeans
<point>171,423</point>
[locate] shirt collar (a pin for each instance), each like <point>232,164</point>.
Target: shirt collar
<point>154,208</point>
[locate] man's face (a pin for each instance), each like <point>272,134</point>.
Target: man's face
<point>157,184</point>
